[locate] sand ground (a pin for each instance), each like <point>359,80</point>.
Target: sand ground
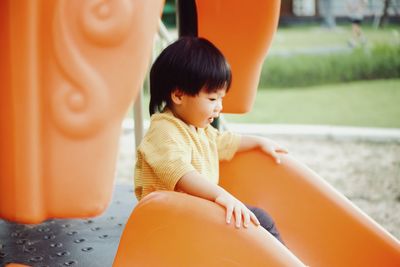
<point>367,172</point>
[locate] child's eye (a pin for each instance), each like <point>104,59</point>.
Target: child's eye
<point>212,99</point>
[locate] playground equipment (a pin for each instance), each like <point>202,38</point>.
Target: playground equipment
<point>70,70</point>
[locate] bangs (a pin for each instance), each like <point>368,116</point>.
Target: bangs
<point>203,66</point>
<point>218,77</point>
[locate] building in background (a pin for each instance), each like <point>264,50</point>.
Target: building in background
<point>314,11</point>
<point>306,11</point>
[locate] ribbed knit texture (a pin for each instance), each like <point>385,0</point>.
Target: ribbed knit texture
<point>171,148</point>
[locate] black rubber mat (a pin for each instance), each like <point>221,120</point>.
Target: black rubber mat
<point>78,242</point>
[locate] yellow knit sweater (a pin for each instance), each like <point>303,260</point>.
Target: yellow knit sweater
<point>171,148</point>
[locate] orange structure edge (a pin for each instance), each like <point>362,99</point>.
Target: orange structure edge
<point>175,229</point>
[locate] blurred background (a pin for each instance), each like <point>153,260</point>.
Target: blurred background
<point>316,64</point>
<point>330,92</point>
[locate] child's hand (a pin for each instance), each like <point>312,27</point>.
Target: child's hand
<point>267,145</point>
<point>234,206</point>
<point>273,149</point>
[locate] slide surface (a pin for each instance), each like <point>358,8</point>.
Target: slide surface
<point>319,226</point>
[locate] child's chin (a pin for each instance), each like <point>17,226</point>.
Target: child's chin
<point>203,125</point>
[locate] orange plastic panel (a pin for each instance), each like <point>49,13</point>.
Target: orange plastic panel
<point>243,30</point>
<point>174,229</point>
<point>16,265</point>
<point>319,225</point>
<point>69,70</point>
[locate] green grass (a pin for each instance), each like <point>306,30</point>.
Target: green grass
<point>377,62</point>
<point>294,39</point>
<point>311,55</point>
<point>366,103</point>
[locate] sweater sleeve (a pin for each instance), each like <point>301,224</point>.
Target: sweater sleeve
<point>227,143</point>
<point>166,152</point>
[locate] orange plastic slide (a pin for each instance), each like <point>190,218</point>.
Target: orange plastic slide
<point>319,226</point>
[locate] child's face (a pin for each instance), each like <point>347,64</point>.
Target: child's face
<point>202,109</point>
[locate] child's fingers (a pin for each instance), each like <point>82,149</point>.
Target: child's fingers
<point>254,219</point>
<point>246,218</point>
<point>228,205</point>
<point>229,211</point>
<point>276,157</point>
<point>282,150</point>
<point>238,216</point>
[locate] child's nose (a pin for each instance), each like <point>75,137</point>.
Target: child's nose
<point>218,108</point>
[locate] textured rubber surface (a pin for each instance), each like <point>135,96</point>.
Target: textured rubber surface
<point>78,242</point>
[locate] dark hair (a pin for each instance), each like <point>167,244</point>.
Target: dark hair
<point>189,64</point>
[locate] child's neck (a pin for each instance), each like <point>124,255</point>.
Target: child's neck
<point>176,115</point>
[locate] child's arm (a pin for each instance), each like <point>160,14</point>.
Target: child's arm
<point>194,184</point>
<point>267,145</point>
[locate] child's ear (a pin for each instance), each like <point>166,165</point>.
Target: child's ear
<point>177,96</point>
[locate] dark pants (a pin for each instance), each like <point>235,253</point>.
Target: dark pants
<point>266,222</point>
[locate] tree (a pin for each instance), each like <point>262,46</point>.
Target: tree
<point>325,9</point>
<point>385,16</point>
